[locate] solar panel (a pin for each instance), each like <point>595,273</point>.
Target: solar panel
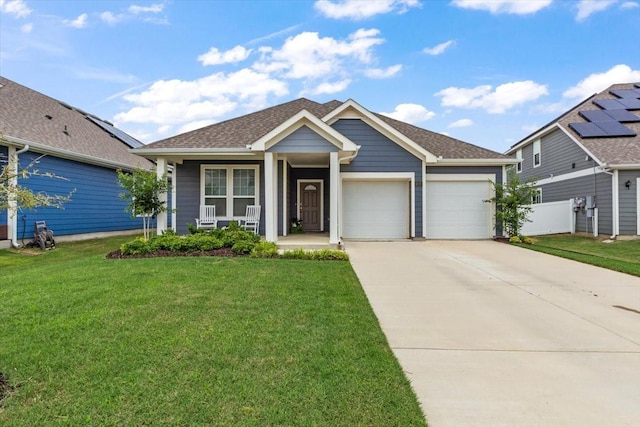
<point>613,128</point>
<point>117,133</point>
<point>596,115</point>
<point>624,93</point>
<point>609,104</point>
<point>630,103</point>
<point>587,130</point>
<point>622,116</point>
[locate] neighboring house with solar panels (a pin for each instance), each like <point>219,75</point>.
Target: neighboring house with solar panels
<point>340,168</point>
<point>78,146</point>
<point>592,150</point>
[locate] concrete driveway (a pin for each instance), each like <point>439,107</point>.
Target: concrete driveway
<point>494,335</point>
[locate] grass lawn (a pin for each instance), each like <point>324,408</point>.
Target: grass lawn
<point>192,341</point>
<point>623,256</point>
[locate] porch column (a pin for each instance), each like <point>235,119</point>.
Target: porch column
<point>334,197</point>
<point>161,173</point>
<point>271,197</point>
<point>12,210</point>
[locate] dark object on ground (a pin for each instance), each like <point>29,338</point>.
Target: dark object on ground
<point>43,236</point>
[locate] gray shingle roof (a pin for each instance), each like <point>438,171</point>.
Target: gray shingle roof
<point>612,151</point>
<point>242,131</point>
<point>29,115</point>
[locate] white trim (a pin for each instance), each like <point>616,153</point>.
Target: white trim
<point>285,192</point>
<point>589,153</point>
<point>538,196</point>
<point>174,203</point>
<point>537,143</point>
<point>461,177</point>
<point>424,197</point>
<point>335,199</point>
<point>615,203</point>
<point>519,158</point>
<point>70,155</point>
<point>229,215</point>
<point>538,135</point>
<point>320,194</point>
<point>378,124</point>
<point>387,176</point>
<point>638,206</point>
<point>270,202</point>
<point>303,118</point>
<point>474,162</point>
<point>571,175</point>
<point>161,174</point>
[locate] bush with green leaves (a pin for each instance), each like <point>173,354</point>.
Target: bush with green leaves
<point>243,247</point>
<point>138,246</point>
<point>318,255</point>
<point>265,250</point>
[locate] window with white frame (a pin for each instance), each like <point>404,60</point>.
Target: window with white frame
<point>536,153</point>
<point>537,196</point>
<point>519,158</point>
<point>231,188</point>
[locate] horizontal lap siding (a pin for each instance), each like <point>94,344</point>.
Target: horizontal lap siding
<point>599,184</point>
<point>627,202</point>
<point>379,154</point>
<point>95,205</point>
<point>303,140</point>
<point>188,191</point>
<point>558,154</point>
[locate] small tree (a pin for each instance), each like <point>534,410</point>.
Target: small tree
<point>513,204</point>
<point>24,198</point>
<point>143,190</point>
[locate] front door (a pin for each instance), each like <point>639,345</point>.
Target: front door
<point>310,205</point>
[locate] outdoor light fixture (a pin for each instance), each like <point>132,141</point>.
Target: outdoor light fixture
<point>628,184</point>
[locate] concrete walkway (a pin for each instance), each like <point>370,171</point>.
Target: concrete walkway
<point>494,335</point>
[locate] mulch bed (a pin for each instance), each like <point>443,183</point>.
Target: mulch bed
<point>224,252</point>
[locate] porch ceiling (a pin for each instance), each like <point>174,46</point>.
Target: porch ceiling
<point>308,159</point>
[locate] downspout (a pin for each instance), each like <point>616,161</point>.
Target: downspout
<point>13,208</point>
<point>339,195</point>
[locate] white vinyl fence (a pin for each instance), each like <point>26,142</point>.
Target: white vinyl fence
<point>550,218</point>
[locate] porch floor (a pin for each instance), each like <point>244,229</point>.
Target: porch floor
<point>305,241</point>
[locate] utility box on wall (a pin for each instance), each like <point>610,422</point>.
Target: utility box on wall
<point>590,205</point>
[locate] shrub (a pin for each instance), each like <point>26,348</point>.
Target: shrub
<point>514,239</point>
<point>317,255</point>
<point>295,254</point>
<point>265,250</point>
<point>136,247</point>
<point>527,240</point>
<point>243,247</point>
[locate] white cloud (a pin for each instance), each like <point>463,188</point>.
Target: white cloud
<point>18,8</point>
<point>362,9</point>
<point>154,8</point>
<point>462,123</point>
<point>515,7</point>
<point>629,5</point>
<point>597,82</point>
<point>79,22</point>
<point>306,55</point>
<point>215,57</point>
<point>503,98</point>
<point>383,73</point>
<point>111,18</point>
<point>410,113</point>
<point>26,28</point>
<point>439,49</point>
<point>588,7</point>
<point>179,102</point>
<point>329,88</point>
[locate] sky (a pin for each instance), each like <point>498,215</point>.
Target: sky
<point>488,72</point>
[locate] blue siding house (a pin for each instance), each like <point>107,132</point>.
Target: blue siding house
<point>339,168</point>
<point>74,145</point>
<point>590,153</point>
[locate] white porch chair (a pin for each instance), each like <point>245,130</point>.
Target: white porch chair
<point>251,221</point>
<point>207,217</point>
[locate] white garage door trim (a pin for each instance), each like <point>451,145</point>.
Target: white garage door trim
<point>382,176</point>
<point>461,178</point>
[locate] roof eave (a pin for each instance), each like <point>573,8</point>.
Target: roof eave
<point>479,162</point>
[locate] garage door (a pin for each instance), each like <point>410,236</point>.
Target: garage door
<point>375,209</point>
<point>456,210</point>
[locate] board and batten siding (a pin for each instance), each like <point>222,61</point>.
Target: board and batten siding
<point>188,191</point>
<point>95,205</point>
<point>598,184</point>
<point>303,140</point>
<point>627,201</point>
<point>379,154</point>
<point>558,155</point>
<point>465,170</point>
